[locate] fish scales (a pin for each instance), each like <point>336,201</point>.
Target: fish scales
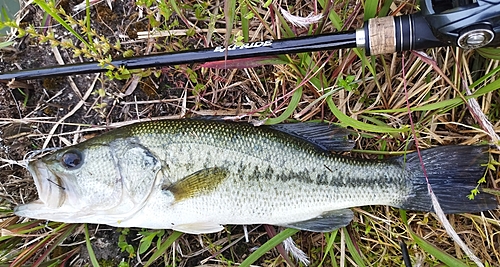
<point>196,175</point>
<point>251,156</point>
<point>263,156</point>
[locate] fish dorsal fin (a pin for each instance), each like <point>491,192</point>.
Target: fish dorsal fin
<point>326,222</point>
<point>200,182</point>
<point>198,228</point>
<point>326,137</point>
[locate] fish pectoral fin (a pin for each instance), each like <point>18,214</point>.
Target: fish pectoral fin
<point>326,222</point>
<point>198,228</point>
<point>200,182</point>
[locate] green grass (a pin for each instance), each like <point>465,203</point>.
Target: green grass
<point>365,94</point>
<point>65,20</point>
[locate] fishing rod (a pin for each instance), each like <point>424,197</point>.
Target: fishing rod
<point>468,24</point>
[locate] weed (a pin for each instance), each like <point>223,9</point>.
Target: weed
<point>124,245</point>
<point>363,93</point>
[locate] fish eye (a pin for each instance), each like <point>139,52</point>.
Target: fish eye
<point>72,159</point>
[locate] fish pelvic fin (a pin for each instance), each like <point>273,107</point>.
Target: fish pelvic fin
<point>200,182</point>
<point>326,222</point>
<point>198,228</point>
<point>452,171</point>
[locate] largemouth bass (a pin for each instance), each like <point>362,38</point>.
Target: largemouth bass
<point>195,176</point>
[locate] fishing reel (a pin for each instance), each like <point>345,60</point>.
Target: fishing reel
<point>468,24</point>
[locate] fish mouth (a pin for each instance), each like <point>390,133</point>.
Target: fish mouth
<point>50,187</point>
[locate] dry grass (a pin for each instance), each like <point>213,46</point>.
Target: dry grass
<point>63,111</point>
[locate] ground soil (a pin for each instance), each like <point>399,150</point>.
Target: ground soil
<point>31,109</point>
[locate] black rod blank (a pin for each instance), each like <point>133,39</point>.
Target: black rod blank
<point>378,36</point>
<point>265,48</point>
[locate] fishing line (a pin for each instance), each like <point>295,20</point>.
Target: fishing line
<point>288,95</point>
<point>412,125</point>
<point>28,156</point>
<point>56,184</point>
<point>435,203</point>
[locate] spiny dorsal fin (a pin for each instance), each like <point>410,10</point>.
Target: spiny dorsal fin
<point>200,182</point>
<point>326,222</point>
<point>327,137</point>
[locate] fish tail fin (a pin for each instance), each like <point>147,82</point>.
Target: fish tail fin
<point>452,171</point>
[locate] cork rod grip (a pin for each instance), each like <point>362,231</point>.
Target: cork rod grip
<point>381,36</point>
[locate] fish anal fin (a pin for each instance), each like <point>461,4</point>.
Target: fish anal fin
<point>326,222</point>
<point>198,228</point>
<point>200,182</point>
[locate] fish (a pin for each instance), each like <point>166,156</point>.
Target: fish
<point>198,175</point>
